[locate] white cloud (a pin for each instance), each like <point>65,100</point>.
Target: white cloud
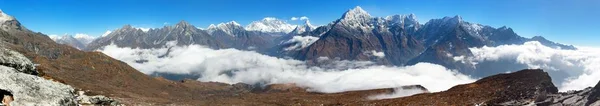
<point>303,18</point>
<point>106,33</point>
<point>375,53</point>
<point>233,66</point>
<point>300,42</point>
<point>299,18</point>
<point>580,66</point>
<point>294,18</point>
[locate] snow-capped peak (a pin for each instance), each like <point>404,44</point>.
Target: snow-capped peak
<point>54,37</point>
<point>68,40</point>
<point>84,38</point>
<point>5,17</point>
<point>455,20</point>
<point>407,21</point>
<point>303,28</point>
<point>357,18</point>
<point>9,22</point>
<point>356,14</point>
<point>183,23</point>
<point>229,24</point>
<point>57,37</point>
<point>106,33</point>
<point>269,19</point>
<point>228,27</point>
<point>307,23</point>
<point>211,26</point>
<point>271,25</point>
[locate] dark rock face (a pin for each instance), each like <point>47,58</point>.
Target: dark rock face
<point>585,97</point>
<point>594,97</point>
<point>521,86</point>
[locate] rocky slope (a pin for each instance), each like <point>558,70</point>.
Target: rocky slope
<point>525,87</point>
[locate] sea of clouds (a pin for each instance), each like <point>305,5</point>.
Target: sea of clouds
<point>235,66</point>
<point>576,69</point>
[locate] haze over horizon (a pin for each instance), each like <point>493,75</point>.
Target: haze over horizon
<point>568,22</point>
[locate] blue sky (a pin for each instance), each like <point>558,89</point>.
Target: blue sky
<point>565,21</point>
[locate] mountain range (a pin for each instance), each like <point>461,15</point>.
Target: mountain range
<point>37,70</point>
<point>397,40</point>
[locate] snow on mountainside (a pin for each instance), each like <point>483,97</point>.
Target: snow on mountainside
<point>271,25</point>
<point>8,22</point>
<point>357,18</point>
<point>357,32</point>
<point>84,38</point>
<point>407,21</point>
<point>4,17</point>
<point>228,27</point>
<point>106,33</point>
<point>307,27</point>
<point>69,40</point>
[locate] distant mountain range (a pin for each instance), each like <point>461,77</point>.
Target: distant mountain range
<point>397,40</point>
<point>77,41</point>
<point>60,71</point>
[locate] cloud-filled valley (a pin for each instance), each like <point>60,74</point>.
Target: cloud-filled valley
<point>234,66</point>
<point>573,69</point>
